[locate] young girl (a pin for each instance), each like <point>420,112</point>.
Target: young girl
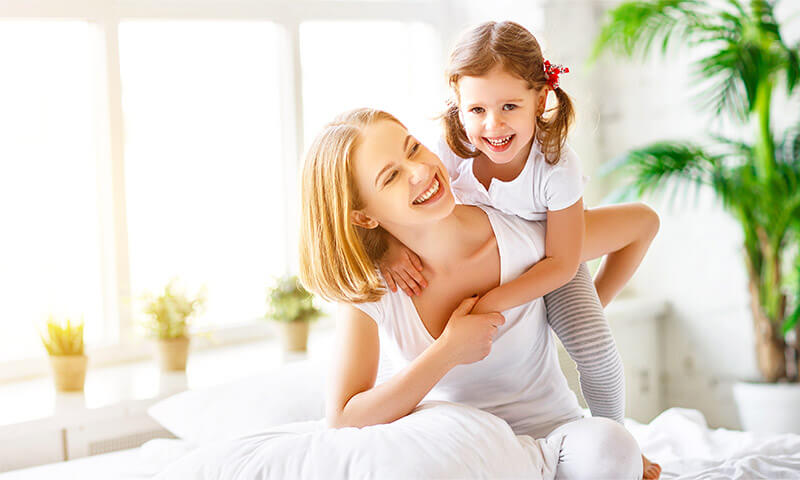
<point>501,150</point>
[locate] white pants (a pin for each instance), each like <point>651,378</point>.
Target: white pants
<point>596,448</point>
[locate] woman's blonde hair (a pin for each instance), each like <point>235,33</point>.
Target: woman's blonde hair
<point>338,258</point>
<point>515,49</point>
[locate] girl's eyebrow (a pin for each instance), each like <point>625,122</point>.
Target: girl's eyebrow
<point>513,100</point>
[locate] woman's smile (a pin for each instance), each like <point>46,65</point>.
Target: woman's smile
<point>431,194</point>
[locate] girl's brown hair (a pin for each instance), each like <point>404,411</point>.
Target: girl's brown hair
<point>515,49</point>
<point>338,258</point>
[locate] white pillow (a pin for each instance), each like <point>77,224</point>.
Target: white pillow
<point>291,393</point>
<point>437,440</point>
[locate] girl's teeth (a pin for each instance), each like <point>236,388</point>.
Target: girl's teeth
<point>501,141</point>
<point>434,188</point>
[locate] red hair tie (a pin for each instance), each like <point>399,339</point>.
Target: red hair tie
<point>552,72</point>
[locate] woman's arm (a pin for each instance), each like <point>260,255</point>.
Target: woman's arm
<point>354,400</point>
<point>563,247</point>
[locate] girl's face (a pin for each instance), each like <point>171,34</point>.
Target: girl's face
<point>498,111</point>
<point>400,182</point>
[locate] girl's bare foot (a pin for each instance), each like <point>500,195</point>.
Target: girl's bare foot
<point>651,470</point>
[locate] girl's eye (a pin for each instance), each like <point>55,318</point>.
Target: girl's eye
<point>414,148</point>
<point>476,110</point>
<point>509,106</point>
<point>391,177</point>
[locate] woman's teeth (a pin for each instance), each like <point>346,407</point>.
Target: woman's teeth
<point>499,141</point>
<point>428,194</point>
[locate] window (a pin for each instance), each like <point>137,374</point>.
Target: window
<point>49,260</point>
<point>209,139</point>
<point>388,65</point>
<point>203,161</point>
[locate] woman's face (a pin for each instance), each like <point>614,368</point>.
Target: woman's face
<point>400,182</point>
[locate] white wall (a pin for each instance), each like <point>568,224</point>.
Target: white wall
<point>696,262</point>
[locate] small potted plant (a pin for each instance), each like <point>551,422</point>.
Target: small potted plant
<point>292,307</point>
<point>167,322</point>
<point>64,344</point>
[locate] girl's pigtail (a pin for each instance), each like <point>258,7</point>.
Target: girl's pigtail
<point>552,132</point>
<point>454,132</point>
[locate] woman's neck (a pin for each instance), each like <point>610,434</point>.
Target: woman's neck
<point>450,241</point>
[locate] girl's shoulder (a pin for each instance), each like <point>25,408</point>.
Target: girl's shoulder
<point>568,160</point>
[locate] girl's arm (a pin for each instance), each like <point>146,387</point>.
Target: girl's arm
<point>563,248</point>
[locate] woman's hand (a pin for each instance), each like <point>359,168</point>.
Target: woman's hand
<point>401,267</point>
<point>468,337</point>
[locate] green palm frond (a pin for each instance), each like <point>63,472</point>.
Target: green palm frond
<point>744,43</point>
<point>653,165</point>
<point>634,27</point>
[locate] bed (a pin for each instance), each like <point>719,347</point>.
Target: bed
<point>278,416</point>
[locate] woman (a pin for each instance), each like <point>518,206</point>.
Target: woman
<point>364,175</point>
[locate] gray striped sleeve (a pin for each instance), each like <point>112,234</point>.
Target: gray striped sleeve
<point>574,312</point>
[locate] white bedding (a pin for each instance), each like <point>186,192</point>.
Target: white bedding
<point>134,464</point>
<point>678,439</point>
<point>437,440</point>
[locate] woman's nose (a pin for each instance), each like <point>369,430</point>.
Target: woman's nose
<point>419,172</point>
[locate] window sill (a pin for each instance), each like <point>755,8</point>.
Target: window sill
<point>141,349</point>
<point>118,390</point>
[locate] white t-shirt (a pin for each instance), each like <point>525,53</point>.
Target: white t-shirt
<point>520,380</point>
<point>538,188</point>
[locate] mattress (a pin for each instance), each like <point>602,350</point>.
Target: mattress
<point>679,439</point>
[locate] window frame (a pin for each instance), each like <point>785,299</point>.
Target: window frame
<point>106,16</point>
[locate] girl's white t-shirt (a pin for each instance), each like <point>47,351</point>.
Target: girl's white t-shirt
<point>538,188</point>
<point>520,380</point>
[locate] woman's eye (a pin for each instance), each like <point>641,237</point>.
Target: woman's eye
<point>391,177</point>
<point>415,148</point>
<point>509,106</point>
<point>476,110</point>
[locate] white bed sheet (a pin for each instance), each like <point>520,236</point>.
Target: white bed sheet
<point>141,463</point>
<point>678,439</point>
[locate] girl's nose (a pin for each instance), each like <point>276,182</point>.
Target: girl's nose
<point>493,120</point>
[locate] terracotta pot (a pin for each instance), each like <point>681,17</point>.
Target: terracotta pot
<point>172,353</point>
<point>69,372</point>
<point>295,336</point>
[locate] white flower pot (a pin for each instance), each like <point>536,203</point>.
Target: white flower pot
<point>768,407</point>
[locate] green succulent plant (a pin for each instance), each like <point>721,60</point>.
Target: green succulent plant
<point>288,301</point>
<point>63,338</point>
<point>743,60</point>
<point>168,313</point>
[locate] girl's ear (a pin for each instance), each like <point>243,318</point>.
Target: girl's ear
<point>542,101</point>
<point>359,218</point>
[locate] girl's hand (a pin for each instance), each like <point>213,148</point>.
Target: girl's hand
<point>468,337</point>
<point>401,267</point>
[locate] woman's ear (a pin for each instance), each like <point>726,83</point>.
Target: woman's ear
<point>359,218</point>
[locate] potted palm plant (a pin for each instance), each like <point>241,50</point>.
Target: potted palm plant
<point>167,322</point>
<point>64,344</point>
<point>742,62</point>
<point>292,307</point>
